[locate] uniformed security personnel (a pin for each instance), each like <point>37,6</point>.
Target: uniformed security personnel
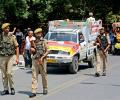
<point>103,44</point>
<point>40,51</point>
<point>8,47</point>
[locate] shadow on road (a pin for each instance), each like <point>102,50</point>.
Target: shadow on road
<point>29,72</point>
<point>60,70</point>
<point>28,93</point>
<point>116,85</point>
<point>92,83</point>
<point>57,71</point>
<point>90,75</point>
<point>83,67</point>
<point>63,70</point>
<point>87,83</point>
<point>25,92</point>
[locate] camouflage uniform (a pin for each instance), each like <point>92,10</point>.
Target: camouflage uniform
<point>101,55</point>
<point>41,51</point>
<point>7,50</point>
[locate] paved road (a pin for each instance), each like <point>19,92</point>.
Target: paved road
<point>63,86</point>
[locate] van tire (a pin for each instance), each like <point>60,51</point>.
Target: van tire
<point>74,66</point>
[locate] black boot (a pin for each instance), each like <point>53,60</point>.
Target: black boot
<point>32,95</point>
<point>97,74</point>
<point>104,74</point>
<point>45,91</point>
<point>12,91</point>
<point>5,92</point>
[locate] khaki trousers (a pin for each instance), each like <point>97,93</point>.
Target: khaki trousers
<point>101,62</point>
<point>6,64</point>
<point>36,68</point>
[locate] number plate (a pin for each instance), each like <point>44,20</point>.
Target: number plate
<point>51,60</point>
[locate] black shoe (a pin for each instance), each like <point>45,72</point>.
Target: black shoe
<point>32,95</point>
<point>45,91</point>
<point>5,92</point>
<point>97,74</point>
<point>12,91</point>
<point>104,74</point>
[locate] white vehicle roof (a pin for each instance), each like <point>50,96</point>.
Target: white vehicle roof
<point>65,30</point>
<point>90,30</point>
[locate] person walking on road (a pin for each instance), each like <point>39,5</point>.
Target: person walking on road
<point>40,51</point>
<point>103,44</point>
<point>19,36</point>
<point>27,53</point>
<point>8,47</point>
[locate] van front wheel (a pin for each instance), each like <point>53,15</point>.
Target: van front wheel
<point>73,68</point>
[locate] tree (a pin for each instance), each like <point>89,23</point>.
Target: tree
<point>31,13</point>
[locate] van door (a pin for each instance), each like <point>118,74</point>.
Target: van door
<point>83,46</point>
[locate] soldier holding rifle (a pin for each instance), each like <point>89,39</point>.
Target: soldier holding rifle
<point>40,51</point>
<point>103,44</point>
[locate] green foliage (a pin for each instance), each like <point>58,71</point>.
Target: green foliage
<point>111,18</point>
<point>21,9</point>
<point>39,11</point>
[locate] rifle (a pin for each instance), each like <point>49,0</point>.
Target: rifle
<point>1,38</point>
<point>101,47</point>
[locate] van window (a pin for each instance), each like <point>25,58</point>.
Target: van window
<point>81,38</point>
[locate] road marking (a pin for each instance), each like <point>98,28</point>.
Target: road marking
<point>63,86</point>
<point>67,84</point>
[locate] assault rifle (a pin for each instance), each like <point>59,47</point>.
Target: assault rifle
<point>100,46</point>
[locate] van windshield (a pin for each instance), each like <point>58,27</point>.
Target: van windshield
<point>61,37</point>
